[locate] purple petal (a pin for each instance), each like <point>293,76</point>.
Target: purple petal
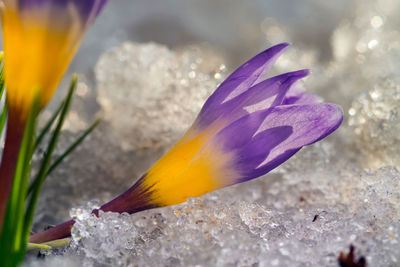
<point>265,94</point>
<point>296,90</point>
<point>240,132</point>
<point>302,99</point>
<point>252,154</point>
<point>310,123</point>
<point>248,146</point>
<point>254,98</point>
<point>298,95</point>
<point>243,78</point>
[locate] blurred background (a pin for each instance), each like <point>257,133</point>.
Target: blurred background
<point>232,31</point>
<point>236,29</point>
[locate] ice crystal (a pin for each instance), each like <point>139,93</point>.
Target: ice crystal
<point>154,86</point>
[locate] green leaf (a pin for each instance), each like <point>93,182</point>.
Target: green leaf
<point>3,116</point>
<point>12,242</point>
<point>1,73</point>
<point>2,85</point>
<point>48,125</point>
<point>62,108</point>
<point>3,119</point>
<point>38,181</point>
<point>72,147</point>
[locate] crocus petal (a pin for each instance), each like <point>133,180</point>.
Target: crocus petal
<point>298,95</point>
<point>241,80</point>
<point>265,94</point>
<point>240,133</point>
<point>258,97</point>
<point>251,155</point>
<point>302,99</point>
<point>310,123</point>
<point>246,145</point>
<point>40,39</point>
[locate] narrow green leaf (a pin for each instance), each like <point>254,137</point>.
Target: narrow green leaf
<point>30,147</point>
<point>2,85</point>
<point>72,147</point>
<point>2,64</point>
<point>44,132</point>
<point>48,125</point>
<point>38,182</point>
<point>12,248</point>
<point>3,119</point>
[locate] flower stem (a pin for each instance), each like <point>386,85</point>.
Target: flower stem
<point>57,232</point>
<point>14,134</point>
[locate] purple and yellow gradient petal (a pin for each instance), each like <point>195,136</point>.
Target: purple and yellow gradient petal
<point>246,128</point>
<point>40,39</point>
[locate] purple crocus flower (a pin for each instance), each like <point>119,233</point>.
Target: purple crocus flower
<point>248,127</point>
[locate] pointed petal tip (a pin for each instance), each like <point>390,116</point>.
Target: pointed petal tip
<point>275,50</point>
<point>298,74</point>
<point>336,112</point>
<point>330,114</point>
<point>282,45</point>
<point>269,55</point>
<point>293,75</point>
<point>334,108</point>
<point>302,73</point>
<point>331,117</point>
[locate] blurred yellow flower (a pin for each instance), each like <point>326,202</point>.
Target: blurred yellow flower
<point>40,39</point>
